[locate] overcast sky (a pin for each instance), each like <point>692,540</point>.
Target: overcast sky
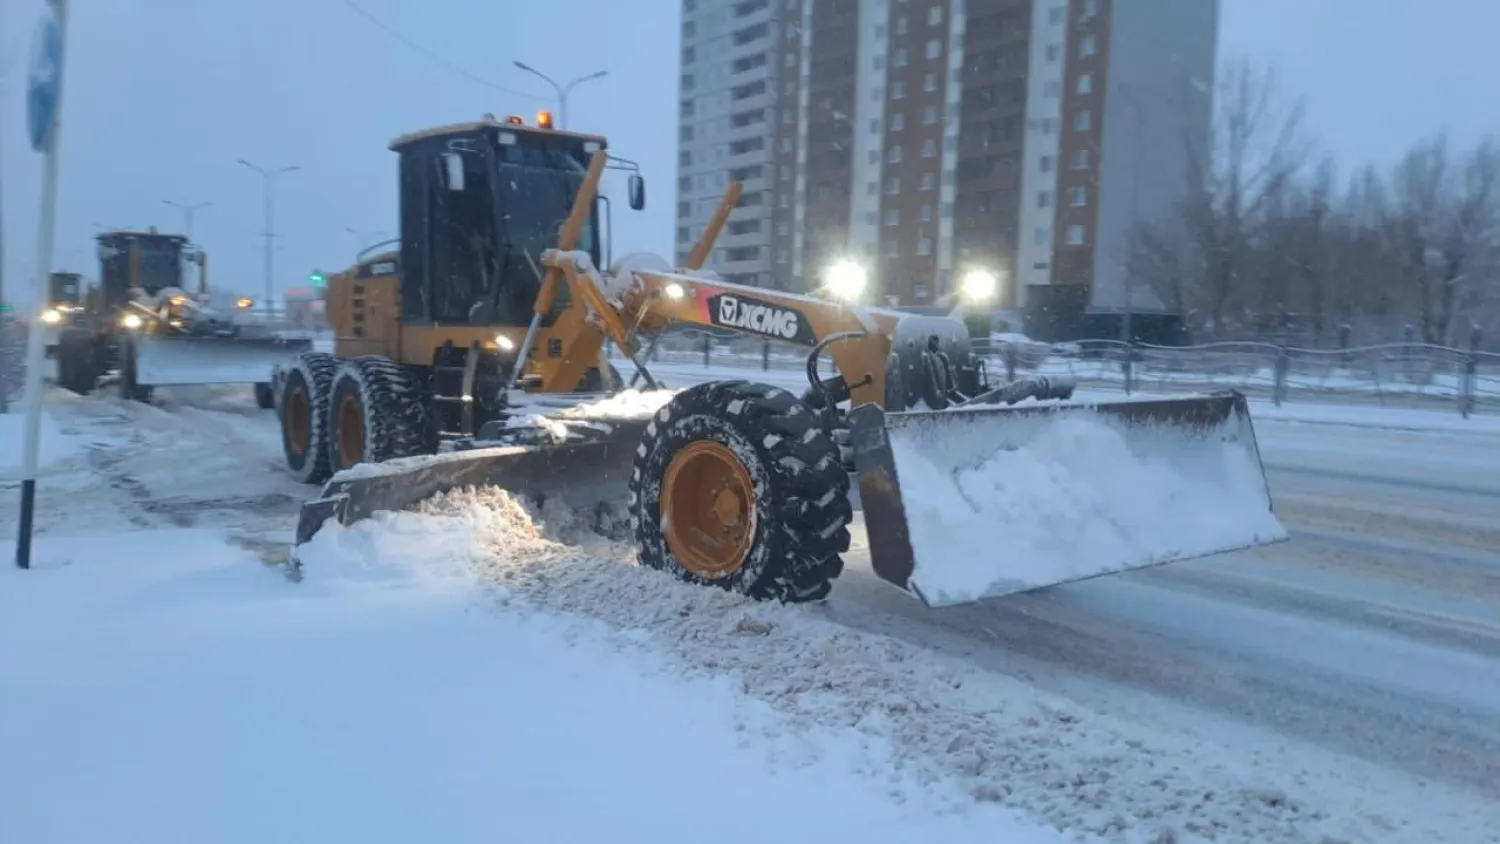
<point>163,96</point>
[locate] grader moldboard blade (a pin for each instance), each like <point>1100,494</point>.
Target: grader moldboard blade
<point>589,468</point>
<point>180,360</point>
<point>978,502</point>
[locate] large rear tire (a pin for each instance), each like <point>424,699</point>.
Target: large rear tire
<point>303,410</point>
<point>376,413</point>
<point>738,485</point>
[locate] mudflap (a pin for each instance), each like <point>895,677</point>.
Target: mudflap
<point>584,471</point>
<point>175,360</point>
<point>980,502</point>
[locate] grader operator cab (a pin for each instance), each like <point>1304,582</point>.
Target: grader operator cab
<point>470,338</point>
<point>140,324</point>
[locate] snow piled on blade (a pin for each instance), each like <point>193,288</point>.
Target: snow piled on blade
<point>1004,503</point>
<point>979,738</point>
<point>628,404</point>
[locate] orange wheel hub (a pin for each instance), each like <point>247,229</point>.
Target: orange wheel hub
<point>708,509</point>
<point>298,420</point>
<point>351,431</point>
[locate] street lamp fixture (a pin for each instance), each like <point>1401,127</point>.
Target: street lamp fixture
<point>562,90</point>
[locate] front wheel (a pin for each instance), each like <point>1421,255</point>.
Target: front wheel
<point>376,413</point>
<point>738,485</point>
<point>303,409</point>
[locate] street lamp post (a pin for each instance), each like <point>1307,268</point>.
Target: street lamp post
<point>364,240</point>
<point>562,90</point>
<point>269,178</point>
<point>188,212</point>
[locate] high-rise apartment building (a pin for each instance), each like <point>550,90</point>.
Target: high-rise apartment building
<point>928,137</point>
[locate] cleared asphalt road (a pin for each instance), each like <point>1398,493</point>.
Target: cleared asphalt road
<point>1374,631</point>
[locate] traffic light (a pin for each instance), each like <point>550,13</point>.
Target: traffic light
<point>317,278</point>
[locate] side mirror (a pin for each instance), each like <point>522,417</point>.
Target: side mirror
<point>453,170</point>
<point>637,190</point>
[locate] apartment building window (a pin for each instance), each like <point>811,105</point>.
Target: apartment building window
<point>946,210</point>
<point>901,25</point>
<point>929,82</point>
<point>684,234</point>
<point>934,46</point>
<point>685,108</point>
<point>898,90</point>
<point>898,58</point>
<point>749,63</point>
<point>689,29</point>
<point>745,174</point>
<point>893,155</point>
<point>929,115</point>
<point>878,63</point>
<point>1046,164</point>
<point>689,6</point>
<point>1090,9</point>
<point>750,226</point>
<point>1081,159</point>
<point>1086,46</point>
<point>924,214</point>
<point>892,250</point>
<point>685,133</point>
<point>684,159</point>
<point>1041,236</point>
<point>688,55</point>
<point>788,117</point>
<point>924,247</point>
<point>687,82</point>
<point>1051,88</point>
<point>684,209</point>
<point>928,182</point>
<point>1043,198</point>
<point>742,253</point>
<point>749,7</point>
<point>892,186</point>
<point>1078,196</point>
<point>1083,120</point>
<point>1085,84</point>
<point>789,60</point>
<point>935,16</point>
<point>898,122</point>
<point>929,148</point>
<point>872,188</point>
<point>750,33</point>
<point>1053,52</point>
<point>1077,235</point>
<point>1057,15</point>
<point>786,144</point>
<point>893,217</point>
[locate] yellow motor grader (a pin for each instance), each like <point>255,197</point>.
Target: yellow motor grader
<point>469,354</point>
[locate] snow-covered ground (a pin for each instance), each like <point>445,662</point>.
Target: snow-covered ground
<point>473,671</point>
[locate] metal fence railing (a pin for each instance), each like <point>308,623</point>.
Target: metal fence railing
<point>1411,375</point>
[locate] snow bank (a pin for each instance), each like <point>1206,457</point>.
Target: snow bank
<point>1001,742</point>
<point>997,504</point>
<point>198,696</point>
<point>54,446</point>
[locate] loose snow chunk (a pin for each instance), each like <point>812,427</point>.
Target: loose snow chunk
<point>1002,504</point>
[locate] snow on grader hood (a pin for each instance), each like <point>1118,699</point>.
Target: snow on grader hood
<point>970,490</point>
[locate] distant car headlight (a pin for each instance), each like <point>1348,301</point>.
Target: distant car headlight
<point>52,316</point>
<point>131,322</point>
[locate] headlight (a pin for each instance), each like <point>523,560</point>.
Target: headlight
<point>505,343</point>
<point>673,290</point>
<point>131,322</point>
<point>979,286</point>
<point>51,316</point>
<point>244,303</point>
<point>846,280</point>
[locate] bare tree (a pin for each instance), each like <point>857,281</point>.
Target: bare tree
<point>1235,173</point>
